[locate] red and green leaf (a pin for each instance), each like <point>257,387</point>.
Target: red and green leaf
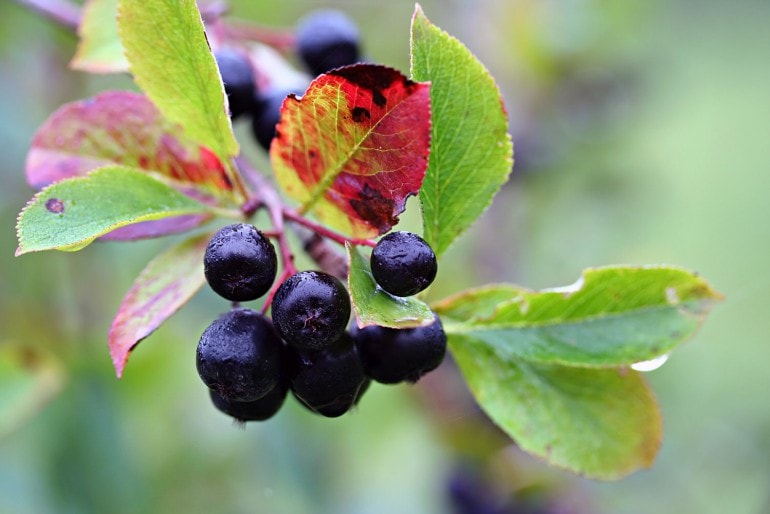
<point>162,288</point>
<point>119,127</point>
<point>354,147</point>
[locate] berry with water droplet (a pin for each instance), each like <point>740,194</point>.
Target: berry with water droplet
<point>240,263</point>
<point>403,263</point>
<point>311,310</point>
<point>392,355</point>
<point>240,356</point>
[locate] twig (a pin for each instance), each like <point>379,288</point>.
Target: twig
<point>323,231</point>
<point>63,12</point>
<point>328,259</point>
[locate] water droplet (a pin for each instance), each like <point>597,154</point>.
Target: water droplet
<point>651,364</point>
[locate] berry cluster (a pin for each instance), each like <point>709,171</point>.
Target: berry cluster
<point>324,39</point>
<point>250,362</point>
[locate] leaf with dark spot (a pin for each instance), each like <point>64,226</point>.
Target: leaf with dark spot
<point>354,147</point>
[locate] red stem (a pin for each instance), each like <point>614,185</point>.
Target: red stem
<point>266,196</point>
<point>323,231</point>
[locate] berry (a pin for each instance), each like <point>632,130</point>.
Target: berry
<point>327,39</point>
<point>311,310</point>
<point>240,356</point>
<point>257,410</point>
<point>330,381</point>
<point>238,79</point>
<point>267,113</point>
<point>403,264</point>
<point>393,355</point>
<point>240,263</point>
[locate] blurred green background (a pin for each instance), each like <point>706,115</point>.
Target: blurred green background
<point>641,134</point>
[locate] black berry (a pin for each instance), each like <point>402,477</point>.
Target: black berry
<point>240,263</point>
<point>403,264</point>
<point>311,310</point>
<point>329,381</point>
<point>267,113</point>
<point>327,39</point>
<point>257,410</point>
<point>392,355</point>
<point>238,78</point>
<point>240,356</point>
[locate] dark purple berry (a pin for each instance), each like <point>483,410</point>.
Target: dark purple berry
<point>257,410</point>
<point>238,79</point>
<point>403,264</point>
<point>267,113</point>
<point>393,355</point>
<point>240,356</point>
<point>328,381</point>
<point>311,310</point>
<point>240,263</point>
<point>327,39</point>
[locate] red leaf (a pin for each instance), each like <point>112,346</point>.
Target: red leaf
<point>355,147</point>
<point>164,286</point>
<point>119,127</point>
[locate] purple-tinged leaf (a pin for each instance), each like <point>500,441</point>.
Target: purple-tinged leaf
<point>120,127</point>
<point>162,288</point>
<point>157,228</point>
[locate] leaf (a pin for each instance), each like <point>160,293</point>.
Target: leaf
<point>472,154</point>
<point>611,317</point>
<point>354,147</point>
<point>374,306</point>
<point>29,379</point>
<point>70,214</point>
<point>162,288</point>
<point>602,423</point>
<point>120,127</point>
<point>99,49</point>
<point>169,56</point>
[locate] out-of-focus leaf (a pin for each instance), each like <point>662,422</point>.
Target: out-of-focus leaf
<point>354,147</point>
<point>162,288</point>
<point>611,317</point>
<point>120,127</point>
<point>29,378</point>
<point>374,306</point>
<point>68,215</point>
<point>602,423</point>
<point>169,56</point>
<point>471,154</point>
<point>99,49</point>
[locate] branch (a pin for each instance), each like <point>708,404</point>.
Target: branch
<point>63,12</point>
<point>328,259</point>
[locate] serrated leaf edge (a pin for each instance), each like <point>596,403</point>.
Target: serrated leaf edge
<point>508,139</point>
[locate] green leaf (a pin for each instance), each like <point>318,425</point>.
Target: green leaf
<point>99,49</point>
<point>373,306</point>
<point>29,379</point>
<point>69,214</point>
<point>171,61</point>
<point>161,289</point>
<point>602,423</point>
<point>611,317</point>
<point>471,151</point>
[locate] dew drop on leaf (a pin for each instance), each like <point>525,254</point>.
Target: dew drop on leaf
<point>650,365</point>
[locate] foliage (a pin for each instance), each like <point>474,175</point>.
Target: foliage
<point>551,368</point>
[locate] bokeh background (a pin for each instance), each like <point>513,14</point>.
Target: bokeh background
<point>641,133</point>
